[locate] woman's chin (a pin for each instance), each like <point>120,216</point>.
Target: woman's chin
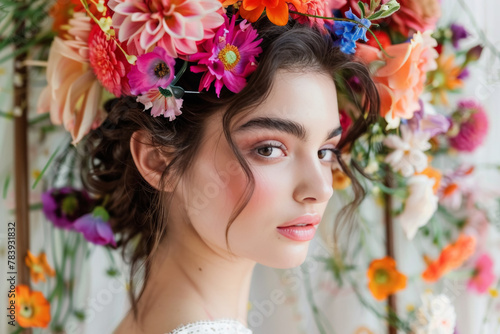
<point>288,259</point>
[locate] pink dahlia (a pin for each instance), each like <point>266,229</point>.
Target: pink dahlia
<point>471,121</point>
<point>152,70</point>
<point>175,25</point>
<point>313,7</point>
<point>483,275</point>
<point>108,62</point>
<point>162,102</point>
<point>229,57</point>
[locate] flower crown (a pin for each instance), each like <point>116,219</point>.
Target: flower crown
<point>130,48</point>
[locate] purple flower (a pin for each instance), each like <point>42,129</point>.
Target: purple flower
<point>458,33</point>
<point>152,70</point>
<point>432,124</point>
<point>64,205</point>
<point>95,228</point>
<point>464,74</point>
<point>350,32</point>
<point>229,57</point>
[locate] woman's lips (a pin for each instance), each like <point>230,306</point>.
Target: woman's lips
<point>302,228</point>
<point>298,233</point>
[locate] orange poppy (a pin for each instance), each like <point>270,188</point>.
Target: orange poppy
<point>384,279</point>
<point>451,257</point>
<point>32,309</point>
<point>38,266</point>
<point>276,10</point>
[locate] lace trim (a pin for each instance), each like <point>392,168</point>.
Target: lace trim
<point>226,326</point>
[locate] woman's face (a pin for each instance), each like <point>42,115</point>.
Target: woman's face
<point>286,142</point>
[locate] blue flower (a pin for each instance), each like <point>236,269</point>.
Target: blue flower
<point>350,32</point>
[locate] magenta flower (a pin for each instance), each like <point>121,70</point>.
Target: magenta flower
<point>162,102</point>
<point>152,70</point>
<point>483,275</point>
<point>229,57</point>
<point>95,227</point>
<point>177,26</point>
<point>64,205</point>
<point>470,123</point>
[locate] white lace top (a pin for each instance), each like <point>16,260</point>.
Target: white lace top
<point>221,326</point>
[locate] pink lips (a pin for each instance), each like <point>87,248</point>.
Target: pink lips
<point>300,233</point>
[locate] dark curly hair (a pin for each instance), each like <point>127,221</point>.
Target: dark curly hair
<point>139,211</point>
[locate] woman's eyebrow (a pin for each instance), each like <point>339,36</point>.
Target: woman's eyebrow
<point>284,125</point>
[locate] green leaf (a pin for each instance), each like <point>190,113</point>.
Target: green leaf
<point>362,7</point>
<point>7,115</point>
<point>38,118</point>
<point>386,10</point>
<point>45,168</point>
<point>6,186</point>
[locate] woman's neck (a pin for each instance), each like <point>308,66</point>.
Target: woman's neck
<point>191,281</point>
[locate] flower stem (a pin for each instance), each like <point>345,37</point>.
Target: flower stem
<point>179,75</point>
<point>309,293</point>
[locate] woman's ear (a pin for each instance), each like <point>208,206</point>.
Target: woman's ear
<point>149,161</point>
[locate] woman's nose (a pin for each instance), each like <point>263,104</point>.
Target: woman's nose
<point>313,182</point>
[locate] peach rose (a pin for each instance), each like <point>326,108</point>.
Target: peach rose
<point>73,93</point>
<point>400,80</point>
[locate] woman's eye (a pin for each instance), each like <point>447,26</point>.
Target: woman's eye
<point>329,153</point>
<point>270,151</point>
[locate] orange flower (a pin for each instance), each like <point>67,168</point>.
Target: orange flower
<point>276,10</point>
<point>38,266</point>
<point>401,78</point>
<point>340,179</point>
<point>384,279</point>
<point>451,257</point>
<point>434,174</point>
<point>226,3</point>
<point>444,78</point>
<point>32,309</point>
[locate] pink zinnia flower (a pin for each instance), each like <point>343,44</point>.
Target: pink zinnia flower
<point>108,62</point>
<point>312,7</point>
<point>73,94</point>
<point>483,275</point>
<point>152,70</point>
<point>176,26</point>
<point>229,57</point>
<point>162,101</point>
<point>472,122</point>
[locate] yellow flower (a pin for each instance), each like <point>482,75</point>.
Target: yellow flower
<point>494,293</point>
<point>444,78</point>
<point>38,267</point>
<point>340,179</point>
<point>384,279</point>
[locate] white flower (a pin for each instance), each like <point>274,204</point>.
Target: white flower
<point>419,206</point>
<point>408,156</point>
<point>435,316</point>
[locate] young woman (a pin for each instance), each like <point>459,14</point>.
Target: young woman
<point>235,180</point>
